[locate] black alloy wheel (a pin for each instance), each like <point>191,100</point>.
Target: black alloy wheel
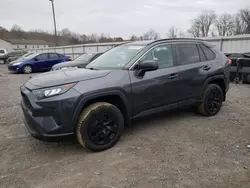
<point>100,126</point>
<point>211,100</point>
<point>103,129</point>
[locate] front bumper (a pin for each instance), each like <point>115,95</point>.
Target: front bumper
<point>14,68</point>
<point>50,123</point>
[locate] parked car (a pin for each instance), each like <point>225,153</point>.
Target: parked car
<point>244,61</point>
<point>37,62</point>
<point>80,62</point>
<point>3,55</point>
<point>129,81</point>
<point>12,56</point>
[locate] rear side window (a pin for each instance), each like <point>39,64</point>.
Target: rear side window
<point>187,54</point>
<point>53,56</point>
<point>208,53</point>
<point>60,55</point>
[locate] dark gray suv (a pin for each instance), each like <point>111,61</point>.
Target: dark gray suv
<point>129,81</point>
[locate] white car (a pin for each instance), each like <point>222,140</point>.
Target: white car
<point>3,55</point>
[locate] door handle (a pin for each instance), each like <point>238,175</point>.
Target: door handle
<point>207,67</point>
<point>173,76</point>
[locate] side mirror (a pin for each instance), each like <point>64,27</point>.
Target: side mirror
<point>145,66</point>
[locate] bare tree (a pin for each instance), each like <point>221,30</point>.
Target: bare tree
<point>172,32</point>
<point>194,30</point>
<point>151,35</point>
<point>225,25</point>
<point>133,38</point>
<point>204,22</point>
<point>245,16</point>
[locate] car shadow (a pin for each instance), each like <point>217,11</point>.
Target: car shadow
<point>70,145</point>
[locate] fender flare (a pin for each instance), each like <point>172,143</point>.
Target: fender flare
<point>85,99</point>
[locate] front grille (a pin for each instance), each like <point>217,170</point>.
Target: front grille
<point>26,101</point>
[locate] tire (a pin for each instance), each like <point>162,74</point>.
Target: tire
<point>212,100</point>
<point>99,126</point>
<point>27,69</point>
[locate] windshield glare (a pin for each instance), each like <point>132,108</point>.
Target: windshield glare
<point>117,57</point>
<point>84,57</point>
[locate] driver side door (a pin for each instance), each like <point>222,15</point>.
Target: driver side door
<point>41,62</point>
<point>156,88</point>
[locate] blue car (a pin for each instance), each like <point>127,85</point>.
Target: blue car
<point>37,62</point>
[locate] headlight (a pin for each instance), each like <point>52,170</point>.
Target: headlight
<point>52,91</point>
<point>18,63</point>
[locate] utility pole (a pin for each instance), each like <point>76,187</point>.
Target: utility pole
<point>54,17</point>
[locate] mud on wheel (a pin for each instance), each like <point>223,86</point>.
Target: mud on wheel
<point>212,100</point>
<point>100,126</point>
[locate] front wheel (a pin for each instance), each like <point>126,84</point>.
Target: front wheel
<point>212,100</point>
<point>27,69</point>
<point>100,126</point>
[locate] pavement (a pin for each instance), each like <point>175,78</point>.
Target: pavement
<point>173,149</point>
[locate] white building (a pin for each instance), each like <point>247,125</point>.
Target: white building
<point>6,45</point>
<point>19,44</point>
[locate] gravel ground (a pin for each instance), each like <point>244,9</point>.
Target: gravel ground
<point>173,149</point>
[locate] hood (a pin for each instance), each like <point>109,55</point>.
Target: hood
<point>69,64</point>
<point>17,60</point>
<point>60,77</point>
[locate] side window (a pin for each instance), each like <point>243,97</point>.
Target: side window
<point>202,55</point>
<point>162,55</point>
<point>187,54</point>
<point>208,53</point>
<point>42,57</point>
<point>53,56</point>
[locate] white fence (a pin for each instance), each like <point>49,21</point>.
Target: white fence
<point>232,44</point>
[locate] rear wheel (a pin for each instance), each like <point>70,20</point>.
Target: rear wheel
<point>212,100</point>
<point>27,69</point>
<point>100,126</point>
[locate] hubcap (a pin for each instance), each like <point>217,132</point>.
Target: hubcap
<point>103,129</point>
<point>214,101</point>
<point>27,69</point>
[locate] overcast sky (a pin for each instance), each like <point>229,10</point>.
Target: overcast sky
<point>116,17</point>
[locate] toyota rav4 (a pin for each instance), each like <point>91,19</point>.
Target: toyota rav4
<point>129,81</point>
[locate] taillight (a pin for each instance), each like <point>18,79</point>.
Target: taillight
<point>229,61</point>
<point>69,58</point>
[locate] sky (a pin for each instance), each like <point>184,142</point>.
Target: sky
<point>113,17</point>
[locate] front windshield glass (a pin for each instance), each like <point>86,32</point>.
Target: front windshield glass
<point>25,55</point>
<point>31,56</point>
<point>117,57</point>
<point>84,57</point>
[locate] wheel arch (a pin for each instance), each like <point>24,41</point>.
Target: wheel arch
<point>115,97</point>
<point>220,81</point>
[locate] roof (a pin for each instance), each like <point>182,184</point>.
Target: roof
<point>147,42</point>
<point>23,41</point>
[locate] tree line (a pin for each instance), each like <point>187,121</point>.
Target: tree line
<point>206,24</point>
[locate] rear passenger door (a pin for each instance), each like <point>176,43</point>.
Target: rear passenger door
<point>193,69</point>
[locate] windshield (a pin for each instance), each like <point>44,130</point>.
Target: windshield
<point>25,55</point>
<point>31,56</point>
<point>84,57</point>
<point>117,57</point>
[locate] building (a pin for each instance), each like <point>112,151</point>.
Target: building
<point>22,44</point>
<point>6,45</point>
